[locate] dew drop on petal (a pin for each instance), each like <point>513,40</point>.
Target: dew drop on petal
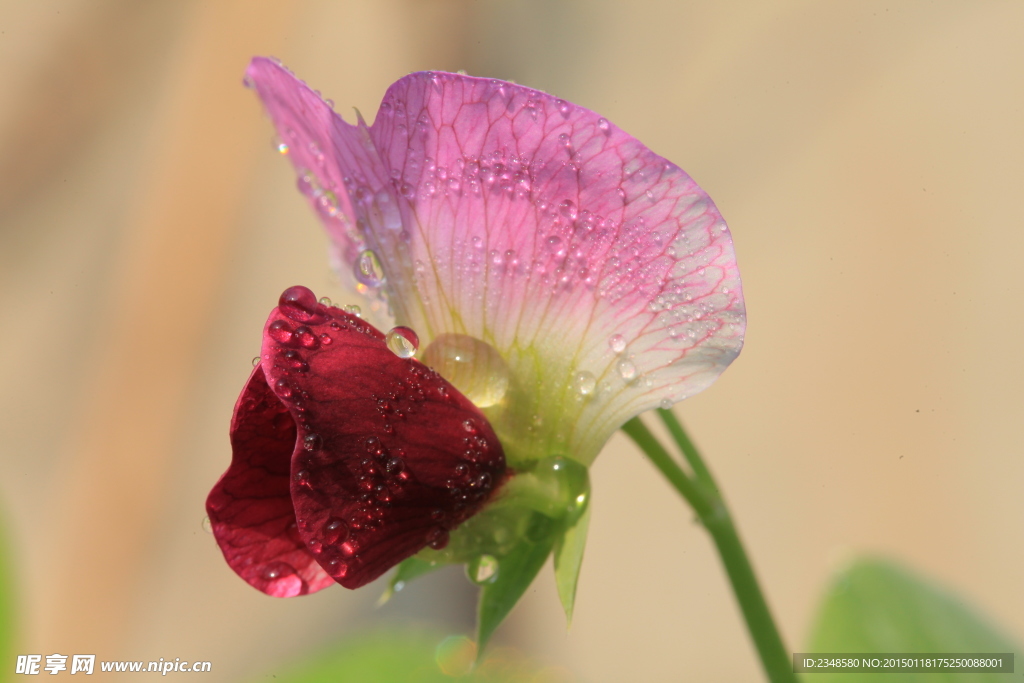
<point>277,570</point>
<point>473,366</point>
<point>603,125</point>
<point>352,309</point>
<point>255,361</point>
<point>280,332</point>
<point>298,303</point>
<point>207,525</point>
<point>402,341</point>
<point>335,531</point>
<point>584,382</point>
<point>483,569</point>
<point>627,370</point>
<point>665,404</point>
<point>312,442</point>
<point>368,269</point>
<point>326,301</point>
<point>617,343</point>
<point>437,538</point>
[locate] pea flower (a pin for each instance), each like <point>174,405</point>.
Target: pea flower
<point>561,276</point>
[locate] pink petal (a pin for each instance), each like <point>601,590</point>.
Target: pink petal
<point>250,508</point>
<point>505,214</point>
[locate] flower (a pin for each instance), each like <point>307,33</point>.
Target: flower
<point>561,276</point>
<point>317,491</point>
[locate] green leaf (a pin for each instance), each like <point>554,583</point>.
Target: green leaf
<point>568,558</point>
<point>408,570</point>
<point>877,606</point>
<point>516,571</point>
<point>7,608</point>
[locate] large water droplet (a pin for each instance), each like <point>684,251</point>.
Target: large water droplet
<point>369,270</point>
<point>473,366</point>
<point>570,482</point>
<point>584,382</point>
<point>402,341</point>
<point>483,569</point>
<point>298,303</point>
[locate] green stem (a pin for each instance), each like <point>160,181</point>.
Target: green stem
<point>690,451</point>
<point>701,492</point>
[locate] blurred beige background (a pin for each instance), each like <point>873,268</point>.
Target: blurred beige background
<point>869,157</point>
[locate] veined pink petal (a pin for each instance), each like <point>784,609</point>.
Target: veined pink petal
<point>600,272</point>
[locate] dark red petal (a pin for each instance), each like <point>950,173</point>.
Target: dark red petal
<point>389,457</point>
<point>251,509</point>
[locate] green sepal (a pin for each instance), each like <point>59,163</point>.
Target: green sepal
<point>409,569</point>
<point>568,553</point>
<point>516,571</point>
<point>878,606</point>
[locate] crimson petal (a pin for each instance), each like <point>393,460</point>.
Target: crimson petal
<point>386,457</point>
<point>251,509</point>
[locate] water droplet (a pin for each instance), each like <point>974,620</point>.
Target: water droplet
<point>255,361</point>
<point>617,342</point>
<point>402,341</point>
<point>325,301</point>
<point>368,269</point>
<point>277,570</point>
<point>473,366</point>
<point>312,442</point>
<point>585,382</point>
<point>483,569</point>
<point>280,332</point>
<point>282,148</point>
<point>306,337</point>
<point>627,370</point>
<point>665,404</point>
<point>207,525</point>
<point>437,538</point>
<point>394,465</point>
<point>335,531</point>
<point>298,303</point>
<point>352,309</point>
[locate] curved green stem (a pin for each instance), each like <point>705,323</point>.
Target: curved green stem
<point>701,492</point>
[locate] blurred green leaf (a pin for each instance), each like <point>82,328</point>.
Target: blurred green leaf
<point>876,606</point>
<point>408,657</point>
<point>7,607</point>
<point>516,571</point>
<point>408,570</point>
<point>568,558</point>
